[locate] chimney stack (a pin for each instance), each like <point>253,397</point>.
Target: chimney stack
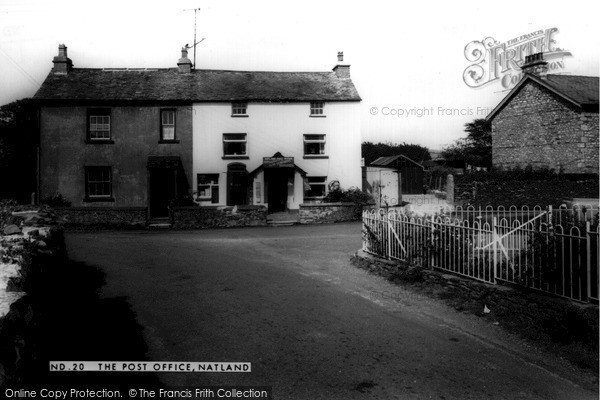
<point>62,63</point>
<point>184,64</point>
<point>535,65</point>
<point>342,70</point>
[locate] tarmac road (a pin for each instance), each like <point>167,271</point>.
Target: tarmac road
<point>312,325</point>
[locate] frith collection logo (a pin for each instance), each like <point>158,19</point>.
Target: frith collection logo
<point>493,61</point>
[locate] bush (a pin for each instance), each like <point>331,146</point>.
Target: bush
<point>352,195</point>
<point>182,200</point>
<point>57,200</point>
<point>523,186</point>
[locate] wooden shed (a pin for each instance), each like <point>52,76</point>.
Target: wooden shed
<point>410,172</point>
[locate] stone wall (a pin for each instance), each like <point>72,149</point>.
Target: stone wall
<point>32,240</point>
<point>323,213</point>
<point>218,217</point>
<point>507,189</point>
<point>538,128</point>
<point>102,218</point>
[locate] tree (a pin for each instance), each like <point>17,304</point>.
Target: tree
<point>476,148</point>
<point>372,151</point>
<point>18,142</point>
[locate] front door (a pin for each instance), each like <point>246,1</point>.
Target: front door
<point>163,189</point>
<point>237,185</point>
<point>277,188</point>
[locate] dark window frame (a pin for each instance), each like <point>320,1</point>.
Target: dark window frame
<point>213,187</point>
<point>102,197</point>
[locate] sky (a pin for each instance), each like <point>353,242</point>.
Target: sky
<point>407,60</point>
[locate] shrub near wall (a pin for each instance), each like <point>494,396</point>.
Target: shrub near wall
<point>522,187</point>
<point>194,217</point>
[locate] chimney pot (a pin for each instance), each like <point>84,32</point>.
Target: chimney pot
<point>536,65</point>
<point>342,70</point>
<point>62,64</point>
<point>184,64</point>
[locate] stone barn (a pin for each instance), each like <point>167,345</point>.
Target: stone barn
<point>547,121</point>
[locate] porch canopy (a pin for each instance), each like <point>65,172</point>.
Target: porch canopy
<point>278,162</point>
<point>164,162</point>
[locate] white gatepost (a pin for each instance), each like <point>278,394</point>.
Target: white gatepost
<point>588,260</point>
<point>432,251</point>
<point>389,234</point>
<point>494,249</point>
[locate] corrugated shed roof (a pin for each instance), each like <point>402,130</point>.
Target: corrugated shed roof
<point>388,161</point>
<point>384,161</point>
<point>200,85</point>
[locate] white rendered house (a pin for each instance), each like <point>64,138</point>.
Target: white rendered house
<point>274,138</point>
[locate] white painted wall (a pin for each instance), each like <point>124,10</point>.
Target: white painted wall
<point>279,127</point>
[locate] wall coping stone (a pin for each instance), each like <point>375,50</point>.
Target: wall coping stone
<point>338,204</point>
<point>100,208</point>
<point>241,208</point>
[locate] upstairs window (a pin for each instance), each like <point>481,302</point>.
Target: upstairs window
<point>314,145</point>
<point>98,183</point>
<point>167,125</point>
<point>239,108</point>
<point>316,108</point>
<point>234,145</point>
<point>99,125</point>
<point>316,187</point>
<point>208,187</point>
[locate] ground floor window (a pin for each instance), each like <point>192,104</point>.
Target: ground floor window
<point>316,187</point>
<point>208,187</point>
<point>98,182</point>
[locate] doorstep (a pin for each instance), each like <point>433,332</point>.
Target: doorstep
<point>159,223</point>
<point>284,218</point>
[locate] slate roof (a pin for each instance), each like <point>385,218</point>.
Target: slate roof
<point>82,84</point>
<point>581,91</point>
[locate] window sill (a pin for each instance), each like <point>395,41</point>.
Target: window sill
<point>316,156</point>
<point>317,116</point>
<point>98,199</point>
<point>235,158</point>
<point>174,141</point>
<point>239,115</point>
<point>89,141</point>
